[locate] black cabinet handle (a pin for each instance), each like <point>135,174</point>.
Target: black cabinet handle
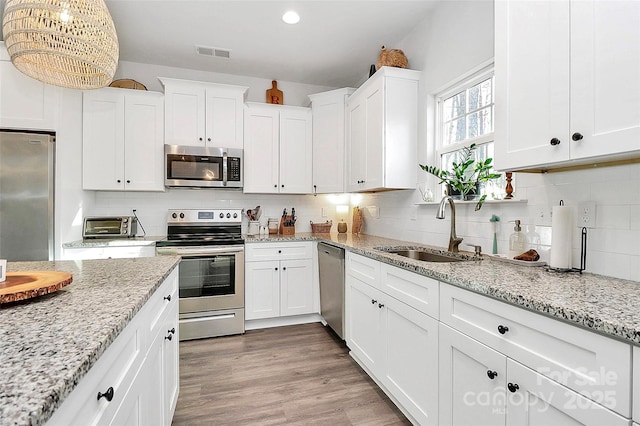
<point>513,387</point>
<point>282,186</point>
<point>275,186</point>
<point>167,298</point>
<point>276,268</point>
<point>284,268</point>
<point>209,139</point>
<point>279,251</point>
<point>492,374</point>
<point>172,331</point>
<point>119,181</point>
<point>373,302</point>
<point>554,141</point>
<point>577,136</point>
<point>380,305</point>
<point>502,329</point>
<point>108,395</point>
<point>200,139</point>
<point>169,337</point>
<point>128,181</point>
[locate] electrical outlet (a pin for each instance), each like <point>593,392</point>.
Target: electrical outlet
<point>586,214</point>
<point>324,212</point>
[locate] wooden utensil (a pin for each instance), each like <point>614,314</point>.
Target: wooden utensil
<point>27,284</point>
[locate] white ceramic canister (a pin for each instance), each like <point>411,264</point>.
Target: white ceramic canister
<point>254,227</point>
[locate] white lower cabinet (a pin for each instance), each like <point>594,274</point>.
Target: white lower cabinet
<point>135,381</point>
<point>279,280</point>
<point>396,343</point>
<point>636,384</point>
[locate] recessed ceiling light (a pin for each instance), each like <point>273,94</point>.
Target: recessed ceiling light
<point>291,17</point>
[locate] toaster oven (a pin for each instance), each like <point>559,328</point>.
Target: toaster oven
<point>109,227</point>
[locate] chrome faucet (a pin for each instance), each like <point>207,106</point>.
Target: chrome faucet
<point>454,241</point>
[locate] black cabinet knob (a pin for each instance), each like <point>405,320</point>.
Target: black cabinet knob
<point>209,139</point>
<point>279,251</point>
<point>275,186</point>
<point>502,329</point>
<point>169,337</point>
<point>200,139</point>
<point>577,136</point>
<point>380,305</point>
<point>492,374</point>
<point>276,268</point>
<point>554,141</point>
<point>108,395</point>
<point>513,387</point>
<point>167,298</point>
<point>373,302</point>
<point>284,268</point>
<point>282,186</point>
<point>119,181</point>
<point>128,181</point>
<point>172,331</point>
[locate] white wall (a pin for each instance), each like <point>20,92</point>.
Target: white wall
<point>293,93</point>
<point>454,40</point>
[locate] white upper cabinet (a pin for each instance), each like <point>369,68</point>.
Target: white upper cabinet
<point>382,132</point>
<point>122,140</point>
<point>328,110</point>
<point>25,103</point>
<point>278,149</point>
<point>567,82</point>
<point>203,114</point>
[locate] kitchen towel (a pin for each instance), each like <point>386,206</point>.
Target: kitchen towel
<point>561,237</point>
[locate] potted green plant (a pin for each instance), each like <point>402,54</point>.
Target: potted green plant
<point>467,174</point>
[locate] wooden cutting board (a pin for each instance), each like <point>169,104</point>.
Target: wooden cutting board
<point>27,284</point>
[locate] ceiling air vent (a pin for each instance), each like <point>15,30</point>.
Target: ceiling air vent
<point>216,52</point>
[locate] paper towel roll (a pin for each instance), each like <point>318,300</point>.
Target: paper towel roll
<point>561,237</point>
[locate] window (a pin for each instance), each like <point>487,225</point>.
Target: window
<point>465,115</point>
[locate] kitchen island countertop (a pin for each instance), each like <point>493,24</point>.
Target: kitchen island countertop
<point>603,304</point>
<point>47,344</point>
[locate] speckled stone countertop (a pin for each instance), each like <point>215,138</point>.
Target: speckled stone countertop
<point>113,242</point>
<point>602,304</point>
<point>47,344</point>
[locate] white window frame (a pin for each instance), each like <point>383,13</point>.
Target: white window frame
<point>464,82</point>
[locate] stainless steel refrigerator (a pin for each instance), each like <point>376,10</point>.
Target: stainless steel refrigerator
<point>27,162</point>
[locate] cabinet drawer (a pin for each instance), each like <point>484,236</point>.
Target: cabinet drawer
<point>365,269</point>
<point>116,368</point>
<point>164,298</point>
<point>415,290</point>
<point>579,359</point>
<point>278,251</point>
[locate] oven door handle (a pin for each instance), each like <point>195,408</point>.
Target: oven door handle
<point>198,251</point>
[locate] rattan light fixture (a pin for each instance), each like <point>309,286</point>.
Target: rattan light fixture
<point>71,43</point>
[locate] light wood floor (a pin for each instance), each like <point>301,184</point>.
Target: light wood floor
<point>298,375</point>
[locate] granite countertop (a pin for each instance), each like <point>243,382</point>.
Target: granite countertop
<point>47,344</point>
<point>603,304</point>
<point>113,242</point>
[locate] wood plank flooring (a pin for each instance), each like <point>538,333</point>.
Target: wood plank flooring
<point>297,375</point>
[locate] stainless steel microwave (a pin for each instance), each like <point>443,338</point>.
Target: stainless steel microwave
<point>193,166</point>
<point>109,227</point>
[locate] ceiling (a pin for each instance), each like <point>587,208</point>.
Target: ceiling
<point>333,45</point>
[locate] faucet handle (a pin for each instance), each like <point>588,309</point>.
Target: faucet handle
<point>476,248</point>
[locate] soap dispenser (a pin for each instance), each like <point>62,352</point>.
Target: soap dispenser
<point>517,241</point>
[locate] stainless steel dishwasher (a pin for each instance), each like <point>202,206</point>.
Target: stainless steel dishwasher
<point>331,268</point>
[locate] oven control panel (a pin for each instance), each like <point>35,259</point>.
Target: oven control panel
<point>205,216</point>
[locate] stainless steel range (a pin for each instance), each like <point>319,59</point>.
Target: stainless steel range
<point>211,280</point>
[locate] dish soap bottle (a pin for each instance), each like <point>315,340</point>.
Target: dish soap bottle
<point>517,241</point>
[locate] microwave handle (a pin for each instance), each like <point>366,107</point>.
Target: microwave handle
<point>224,168</point>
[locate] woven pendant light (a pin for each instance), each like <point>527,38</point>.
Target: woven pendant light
<point>70,43</point>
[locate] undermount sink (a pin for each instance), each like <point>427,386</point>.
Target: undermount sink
<point>425,255</point>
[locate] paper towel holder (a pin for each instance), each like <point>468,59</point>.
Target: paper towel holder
<point>583,254</point>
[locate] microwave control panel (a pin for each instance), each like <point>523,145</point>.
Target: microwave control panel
<point>233,170</point>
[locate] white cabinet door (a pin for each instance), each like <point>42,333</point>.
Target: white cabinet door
<point>103,136</point>
<point>605,77</point>
<point>535,400</point>
<point>261,152</point>
<point>185,115</point>
<point>144,407</point>
<point>364,324</point>
<point>26,103</point>
<point>295,157</point>
<point>532,83</point>
<point>224,124</point>
<point>411,359</point>
<point>144,142</point>
<point>296,287</point>
<point>328,116</point>
<point>356,143</point>
<point>374,119</point>
<point>262,289</point>
<point>636,383</point>
<point>171,361</point>
<point>472,381</point>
